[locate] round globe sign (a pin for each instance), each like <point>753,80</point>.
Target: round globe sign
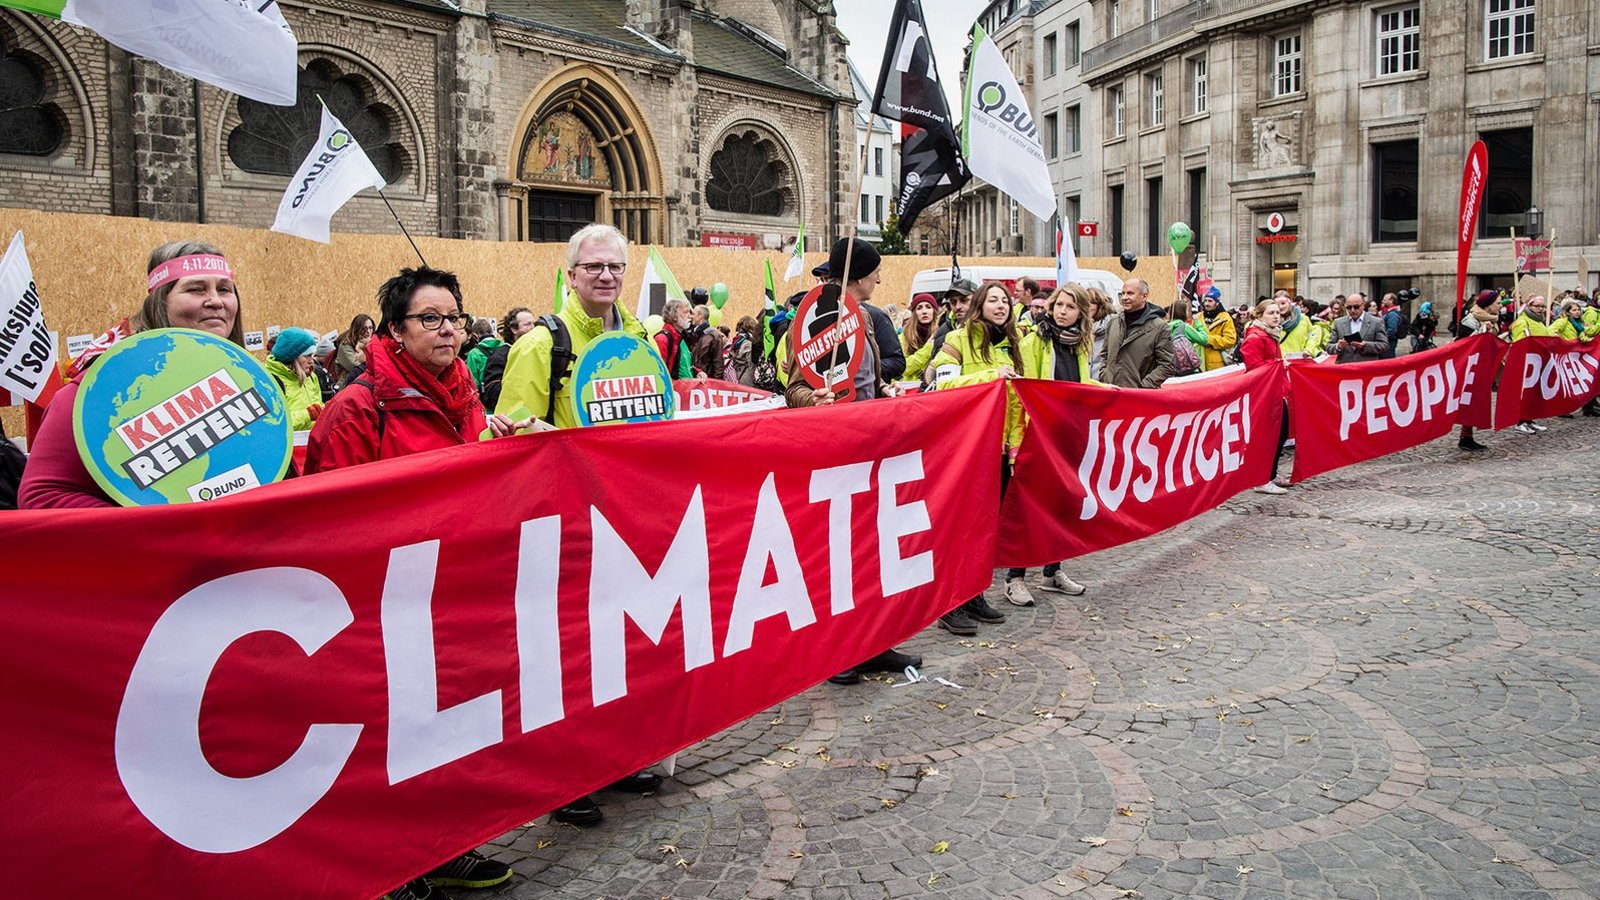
<point>180,416</point>
<point>621,378</point>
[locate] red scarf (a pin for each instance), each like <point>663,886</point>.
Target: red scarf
<point>453,392</point>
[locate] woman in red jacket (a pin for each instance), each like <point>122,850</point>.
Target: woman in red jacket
<point>1258,348</point>
<point>416,394</point>
<point>56,477</point>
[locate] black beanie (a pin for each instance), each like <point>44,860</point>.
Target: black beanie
<point>863,262</point>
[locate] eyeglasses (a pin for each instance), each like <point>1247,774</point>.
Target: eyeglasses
<point>432,320</point>
<point>593,269</point>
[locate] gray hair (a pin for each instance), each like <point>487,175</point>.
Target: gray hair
<point>672,307</point>
<point>589,234</point>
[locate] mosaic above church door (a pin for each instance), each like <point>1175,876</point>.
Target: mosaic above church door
<point>563,151</point>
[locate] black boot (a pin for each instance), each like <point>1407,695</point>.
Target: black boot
<point>979,609</point>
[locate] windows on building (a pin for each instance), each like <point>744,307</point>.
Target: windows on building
<point>274,140</point>
<point>1394,191</point>
<point>1074,135</point>
<point>749,176</point>
<point>1286,65</point>
<point>1155,232</point>
<point>1119,111</point>
<point>1197,205</point>
<point>1115,213</point>
<point>1507,28</point>
<point>877,206</point>
<point>1508,191</point>
<point>1152,10</point>
<point>1114,18</point>
<point>1074,44</point>
<point>866,209</point>
<point>32,126</point>
<point>1197,84</point>
<point>1399,40</point>
<point>877,161</point>
<point>1157,96</point>
<point>1049,50</point>
<point>1072,209</point>
<point>1051,135</point>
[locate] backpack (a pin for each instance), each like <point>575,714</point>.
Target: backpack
<point>1185,359</point>
<point>561,359</point>
<point>1402,329</point>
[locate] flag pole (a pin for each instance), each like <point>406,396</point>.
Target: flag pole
<point>403,230</point>
<point>850,245</point>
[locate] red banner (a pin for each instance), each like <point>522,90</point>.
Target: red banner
<point>449,644</point>
<point>1101,467</point>
<point>1345,414</point>
<point>1533,254</point>
<point>714,393</point>
<point>1544,377</point>
<point>1472,178</point>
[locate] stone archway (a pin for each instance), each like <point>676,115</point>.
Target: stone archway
<point>584,151</point>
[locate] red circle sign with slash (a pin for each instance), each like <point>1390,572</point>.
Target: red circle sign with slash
<point>831,339</point>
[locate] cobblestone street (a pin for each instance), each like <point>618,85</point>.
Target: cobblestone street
<point>1383,684</point>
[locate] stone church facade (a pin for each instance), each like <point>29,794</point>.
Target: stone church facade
<point>683,122</point>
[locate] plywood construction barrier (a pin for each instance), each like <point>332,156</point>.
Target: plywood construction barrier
<point>91,272</point>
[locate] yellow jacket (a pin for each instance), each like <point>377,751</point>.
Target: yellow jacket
<point>1563,328</point>
<point>968,367</point>
<point>1526,326</point>
<point>1224,334</point>
<point>527,379</point>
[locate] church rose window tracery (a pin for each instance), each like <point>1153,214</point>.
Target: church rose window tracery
<point>274,140</point>
<point>748,177</point>
<point>29,126</point>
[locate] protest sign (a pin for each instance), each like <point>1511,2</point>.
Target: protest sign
<point>621,378</point>
<point>273,706</point>
<point>1345,414</point>
<point>27,349</point>
<point>1544,377</point>
<point>1101,467</point>
<point>180,416</point>
<point>695,394</point>
<point>831,340</point>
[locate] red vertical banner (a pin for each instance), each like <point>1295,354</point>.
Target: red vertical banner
<point>1472,178</point>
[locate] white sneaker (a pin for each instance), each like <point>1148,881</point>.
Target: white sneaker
<point>1537,427</point>
<point>1060,582</point>
<point>1524,428</point>
<point>1283,481</point>
<point>1017,593</point>
<point>1270,488</point>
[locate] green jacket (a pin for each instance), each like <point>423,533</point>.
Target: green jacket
<point>527,379</point>
<point>478,358</point>
<point>301,395</point>
<point>1526,326</point>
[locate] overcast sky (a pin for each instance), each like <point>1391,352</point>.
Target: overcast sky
<point>866,24</point>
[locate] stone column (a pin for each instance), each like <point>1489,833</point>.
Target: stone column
<point>468,207</point>
<point>162,115</point>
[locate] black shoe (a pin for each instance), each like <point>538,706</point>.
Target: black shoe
<point>1467,443</point>
<point>638,783</point>
<point>582,812</point>
<point>848,676</point>
<point>889,661</point>
<point>956,621</point>
<point>979,609</point>
<point>471,870</point>
<point>416,890</point>
<point>1591,413</point>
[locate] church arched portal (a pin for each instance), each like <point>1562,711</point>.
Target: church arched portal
<point>585,155</point>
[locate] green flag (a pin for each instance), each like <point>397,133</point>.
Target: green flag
<point>561,289</point>
<point>51,8</point>
<point>767,310</point>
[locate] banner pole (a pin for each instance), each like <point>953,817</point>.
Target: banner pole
<point>402,225</point>
<point>850,244</point>
<point>1550,279</point>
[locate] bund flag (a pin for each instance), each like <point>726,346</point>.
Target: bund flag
<point>335,170</point>
<point>909,92</point>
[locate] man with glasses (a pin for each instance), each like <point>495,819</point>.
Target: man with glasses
<point>535,381</point>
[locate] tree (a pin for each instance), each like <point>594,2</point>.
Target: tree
<point>891,242</point>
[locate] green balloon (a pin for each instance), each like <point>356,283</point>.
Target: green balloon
<point>653,324</point>
<point>1179,236</point>
<point>719,294</point>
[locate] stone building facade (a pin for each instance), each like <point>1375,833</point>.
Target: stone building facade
<point>684,122</point>
<point>1319,146</point>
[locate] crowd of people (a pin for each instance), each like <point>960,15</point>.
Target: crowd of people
<point>425,375</point>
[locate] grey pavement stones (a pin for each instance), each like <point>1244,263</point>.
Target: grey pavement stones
<point>1384,684</point>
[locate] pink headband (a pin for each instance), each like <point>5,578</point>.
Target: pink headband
<point>186,267</point>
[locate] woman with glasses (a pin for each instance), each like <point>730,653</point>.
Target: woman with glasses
<point>416,393</point>
<point>1533,321</point>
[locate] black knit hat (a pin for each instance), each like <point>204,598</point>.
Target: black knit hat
<point>863,261</point>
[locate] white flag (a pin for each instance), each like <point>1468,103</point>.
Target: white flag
<point>1066,258</point>
<point>27,348</point>
<point>797,260</point>
<point>658,284</point>
<point>999,136</point>
<point>243,46</point>
<point>336,170</point>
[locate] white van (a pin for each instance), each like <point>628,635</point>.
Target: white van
<point>937,281</point>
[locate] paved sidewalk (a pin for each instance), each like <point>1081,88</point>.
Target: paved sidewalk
<point>1383,684</point>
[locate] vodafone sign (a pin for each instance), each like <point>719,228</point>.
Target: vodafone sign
<point>1275,223</point>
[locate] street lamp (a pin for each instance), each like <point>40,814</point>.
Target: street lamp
<point>1534,221</point>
